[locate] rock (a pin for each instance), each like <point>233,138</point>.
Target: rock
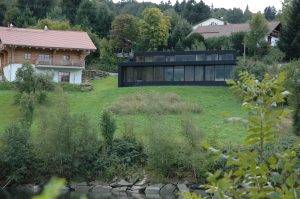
<point>137,189</point>
<point>142,182</point>
<point>153,196</point>
<point>30,188</point>
<point>119,189</point>
<point>124,183</point>
<point>102,188</point>
<point>168,189</point>
<point>202,193</point>
<point>83,188</point>
<point>153,189</point>
<point>182,188</point>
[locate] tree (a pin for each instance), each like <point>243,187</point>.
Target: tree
<point>108,127</point>
<point>255,38</point>
<point>270,13</point>
<point>290,35</point>
<point>69,8</point>
<point>53,24</point>
<point>2,12</point>
<point>195,12</point>
<point>235,16</point>
<point>237,42</point>
<point>26,19</point>
<point>95,17</point>
<point>108,58</point>
<point>124,32</point>
<point>154,29</point>
<point>192,39</point>
<point>56,14</point>
<point>247,14</point>
<point>180,28</point>
<point>12,14</point>
<point>38,7</point>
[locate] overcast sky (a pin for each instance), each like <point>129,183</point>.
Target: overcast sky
<point>254,5</point>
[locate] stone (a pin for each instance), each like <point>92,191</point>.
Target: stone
<point>30,188</point>
<point>153,189</point>
<point>124,183</point>
<point>153,196</point>
<point>142,182</point>
<point>102,188</point>
<point>83,188</point>
<point>138,189</point>
<point>119,189</point>
<point>182,188</point>
<point>168,189</point>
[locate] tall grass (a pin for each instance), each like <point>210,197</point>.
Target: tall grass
<point>153,103</point>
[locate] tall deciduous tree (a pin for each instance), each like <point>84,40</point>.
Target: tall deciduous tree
<point>26,19</point>
<point>154,29</point>
<point>290,35</point>
<point>255,39</point>
<point>12,14</point>
<point>235,15</point>
<point>124,32</point>
<point>195,12</point>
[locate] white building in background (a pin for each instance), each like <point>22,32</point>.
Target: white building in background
<point>210,22</point>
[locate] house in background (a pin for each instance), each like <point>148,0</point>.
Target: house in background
<point>227,29</point>
<point>178,68</point>
<point>61,52</point>
<point>210,22</point>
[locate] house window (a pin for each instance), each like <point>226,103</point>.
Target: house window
<point>129,74</point>
<point>179,73</point>
<point>148,74</point>
<point>199,71</point>
<point>66,57</point>
<point>209,73</point>
<point>64,76</point>
<point>189,73</point>
<point>27,56</point>
<point>169,74</point>
<point>220,73</point>
<point>158,74</point>
<point>44,57</point>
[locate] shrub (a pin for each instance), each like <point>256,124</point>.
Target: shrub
<point>16,153</point>
<point>108,128</point>
<point>7,85</point>
<point>66,144</point>
<point>27,108</point>
<point>153,103</point>
<point>254,67</point>
<point>75,87</point>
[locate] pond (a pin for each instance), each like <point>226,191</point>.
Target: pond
<point>17,194</point>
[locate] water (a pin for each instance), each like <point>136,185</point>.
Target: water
<point>18,194</point>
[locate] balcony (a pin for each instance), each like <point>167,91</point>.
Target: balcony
<point>51,63</point>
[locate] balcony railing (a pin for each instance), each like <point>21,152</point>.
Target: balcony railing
<point>52,62</point>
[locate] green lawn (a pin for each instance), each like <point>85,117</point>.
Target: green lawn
<point>214,101</point>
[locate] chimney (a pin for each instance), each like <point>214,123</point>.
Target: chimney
<point>46,27</point>
<point>11,25</point>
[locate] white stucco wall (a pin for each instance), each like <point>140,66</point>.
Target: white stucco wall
<point>10,71</point>
<point>75,74</point>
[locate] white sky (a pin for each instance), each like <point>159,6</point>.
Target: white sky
<point>254,5</point>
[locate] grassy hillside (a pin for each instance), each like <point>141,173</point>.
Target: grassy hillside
<point>214,101</point>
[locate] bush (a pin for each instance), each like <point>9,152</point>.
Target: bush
<point>254,67</point>
<point>108,128</point>
<point>7,85</point>
<point>66,144</point>
<point>75,87</point>
<point>16,154</point>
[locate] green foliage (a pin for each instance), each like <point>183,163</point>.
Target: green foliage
<point>289,37</point>
<point>66,144</point>
<point>27,108</point>
<point>124,32</point>
<point>179,46</point>
<point>53,24</point>
<point>108,128</point>
<point>255,38</point>
<point>252,66</point>
<point>270,13</point>
<point>218,43</point>
<point>195,12</point>
<point>5,85</point>
<point>16,153</point>
<point>12,14</point>
<point>250,174</point>
<point>28,81</point>
<point>260,98</point>
<point>192,39</point>
<point>237,42</point>
<point>108,58</point>
<point>69,8</point>
<point>154,29</point>
<point>293,83</point>
<point>235,16</point>
<point>26,19</point>
<point>56,14</point>
<point>274,56</point>
<point>52,189</point>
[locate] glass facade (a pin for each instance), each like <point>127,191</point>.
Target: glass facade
<point>211,68</point>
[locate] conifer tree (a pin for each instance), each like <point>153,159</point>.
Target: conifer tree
<point>290,35</point>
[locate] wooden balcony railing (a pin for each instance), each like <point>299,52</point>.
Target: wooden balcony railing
<point>51,62</point>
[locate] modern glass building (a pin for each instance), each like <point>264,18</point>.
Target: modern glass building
<point>178,68</point>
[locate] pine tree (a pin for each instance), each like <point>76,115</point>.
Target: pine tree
<point>290,35</point>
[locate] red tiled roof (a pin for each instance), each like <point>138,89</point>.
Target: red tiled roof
<point>46,38</point>
<point>227,30</point>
